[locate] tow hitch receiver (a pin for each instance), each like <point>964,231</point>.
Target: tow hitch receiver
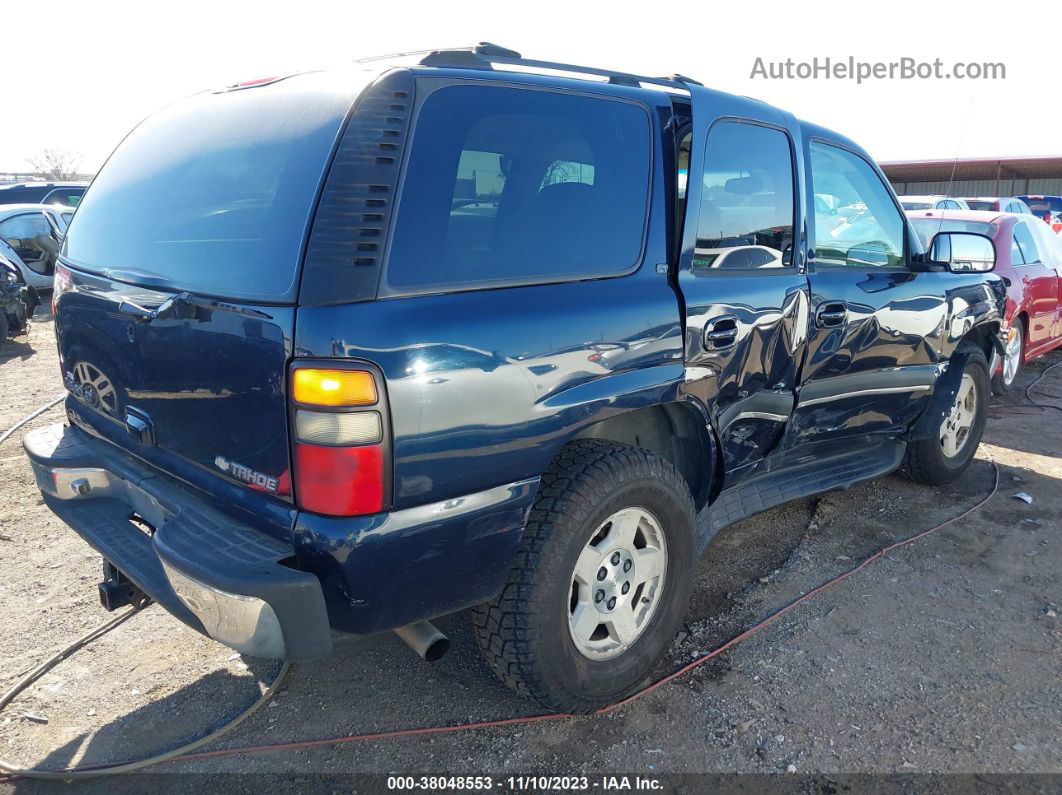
<point>117,590</point>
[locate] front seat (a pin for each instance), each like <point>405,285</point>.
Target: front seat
<point>48,245</point>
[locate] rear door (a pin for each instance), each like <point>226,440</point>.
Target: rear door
<point>1039,282</point>
<point>1049,246</point>
<point>877,325</point>
<point>745,295</point>
<point>180,271</point>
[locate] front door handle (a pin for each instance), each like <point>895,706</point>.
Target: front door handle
<point>721,333</point>
<point>831,314</point>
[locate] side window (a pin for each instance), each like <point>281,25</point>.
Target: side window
<point>1048,243</point>
<point>1023,238</point>
<point>510,185</point>
<point>1016,257</point>
<point>746,215</point>
<point>684,164</point>
<point>28,231</point>
<point>867,229</point>
<point>32,238</point>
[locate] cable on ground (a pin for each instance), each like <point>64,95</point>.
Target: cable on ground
<point>188,753</point>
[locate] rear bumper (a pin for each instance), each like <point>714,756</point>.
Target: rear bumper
<point>220,577</point>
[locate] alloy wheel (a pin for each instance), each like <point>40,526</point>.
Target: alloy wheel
<point>617,584</point>
<point>955,430</point>
<point>1012,356</point>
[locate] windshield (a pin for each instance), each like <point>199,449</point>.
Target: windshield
<point>925,228</point>
<point>213,194</point>
<point>973,204</point>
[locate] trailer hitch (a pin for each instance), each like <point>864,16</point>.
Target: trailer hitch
<point>117,590</point>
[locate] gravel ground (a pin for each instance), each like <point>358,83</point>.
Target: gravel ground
<point>944,657</point>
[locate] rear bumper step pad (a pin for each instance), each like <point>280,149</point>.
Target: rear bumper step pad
<point>219,577</point>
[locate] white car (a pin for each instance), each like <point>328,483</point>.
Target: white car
<point>999,204</point>
<point>934,202</point>
<point>30,235</point>
<point>738,257</point>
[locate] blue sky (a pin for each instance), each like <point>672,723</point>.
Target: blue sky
<point>99,67</point>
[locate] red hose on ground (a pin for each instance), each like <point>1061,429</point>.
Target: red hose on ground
<point>490,724</point>
<point>461,727</point>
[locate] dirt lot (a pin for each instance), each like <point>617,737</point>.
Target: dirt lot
<point>943,657</point>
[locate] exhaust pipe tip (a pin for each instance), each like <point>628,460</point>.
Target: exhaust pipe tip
<point>425,639</point>
<point>437,650</point>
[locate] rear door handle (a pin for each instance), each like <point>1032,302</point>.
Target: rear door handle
<point>721,333</point>
<point>831,314</point>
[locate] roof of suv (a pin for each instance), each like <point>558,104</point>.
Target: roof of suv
<point>505,64</point>
<point>492,57</point>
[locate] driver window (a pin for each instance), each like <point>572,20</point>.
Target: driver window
<point>865,230</point>
<point>746,213</point>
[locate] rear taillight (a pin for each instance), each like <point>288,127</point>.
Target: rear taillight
<point>339,425</point>
<point>60,284</point>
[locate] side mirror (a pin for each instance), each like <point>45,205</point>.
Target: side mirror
<point>963,252</point>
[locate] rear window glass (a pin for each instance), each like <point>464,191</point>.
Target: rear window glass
<point>915,205</point>
<point>1043,204</point>
<point>926,228</point>
<point>509,185</point>
<point>213,194</point>
<point>979,205</point>
<point>22,195</point>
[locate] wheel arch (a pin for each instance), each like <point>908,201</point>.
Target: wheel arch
<point>986,337</point>
<point>678,432</point>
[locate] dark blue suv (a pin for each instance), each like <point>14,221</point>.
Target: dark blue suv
<point>350,350</point>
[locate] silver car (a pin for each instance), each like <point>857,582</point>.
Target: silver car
<point>30,235</point>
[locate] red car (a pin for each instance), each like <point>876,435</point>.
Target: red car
<point>1029,257</point>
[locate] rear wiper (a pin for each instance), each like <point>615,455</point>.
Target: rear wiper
<point>145,315</point>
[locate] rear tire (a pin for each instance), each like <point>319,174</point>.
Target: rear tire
<point>1014,358</point>
<point>951,447</point>
<point>559,631</point>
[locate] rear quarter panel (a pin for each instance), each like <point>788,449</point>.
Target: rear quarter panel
<point>486,386</point>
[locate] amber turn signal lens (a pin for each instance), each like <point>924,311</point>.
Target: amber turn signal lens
<point>334,387</point>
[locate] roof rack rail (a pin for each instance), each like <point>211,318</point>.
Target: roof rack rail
<point>485,54</point>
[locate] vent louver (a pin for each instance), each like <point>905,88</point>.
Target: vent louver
<point>346,242</point>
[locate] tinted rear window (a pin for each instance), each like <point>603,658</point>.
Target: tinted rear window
<point>213,194</point>
<point>1042,204</point>
<point>22,195</point>
<point>509,185</point>
<point>976,205</point>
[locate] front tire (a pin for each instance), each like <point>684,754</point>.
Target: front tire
<point>601,581</point>
<point>949,450</point>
